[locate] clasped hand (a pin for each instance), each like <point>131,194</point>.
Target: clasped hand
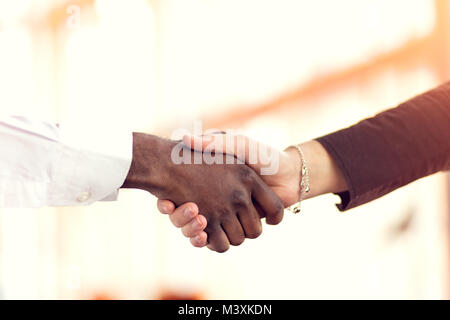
<point>220,228</point>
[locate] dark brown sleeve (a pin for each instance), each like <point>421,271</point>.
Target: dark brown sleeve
<point>394,148</point>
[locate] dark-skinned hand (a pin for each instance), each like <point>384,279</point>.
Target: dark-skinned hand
<point>232,197</point>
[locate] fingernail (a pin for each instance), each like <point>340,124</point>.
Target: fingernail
<point>164,209</point>
<point>197,224</point>
<point>188,212</point>
<point>197,239</point>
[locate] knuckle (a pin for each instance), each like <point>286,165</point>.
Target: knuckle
<point>227,219</point>
<point>278,206</point>
<point>239,198</point>
<point>212,220</point>
<point>246,174</point>
<point>211,227</point>
<point>221,215</point>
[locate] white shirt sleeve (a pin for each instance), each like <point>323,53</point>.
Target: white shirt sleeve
<point>41,165</point>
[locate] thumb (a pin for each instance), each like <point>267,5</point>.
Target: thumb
<point>208,142</point>
<point>165,206</point>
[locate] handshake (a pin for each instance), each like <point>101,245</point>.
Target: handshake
<point>218,187</point>
<point>218,193</point>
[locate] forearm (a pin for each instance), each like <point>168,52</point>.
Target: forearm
<point>393,148</point>
<point>43,164</point>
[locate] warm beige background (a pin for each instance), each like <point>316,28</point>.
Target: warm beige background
<point>283,71</point>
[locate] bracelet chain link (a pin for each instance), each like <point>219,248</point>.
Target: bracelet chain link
<point>304,181</point>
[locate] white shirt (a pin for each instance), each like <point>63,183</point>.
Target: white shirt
<point>42,165</point>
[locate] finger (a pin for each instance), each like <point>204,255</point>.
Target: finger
<point>259,210</point>
<point>200,240</point>
<point>250,222</point>
<point>259,156</point>
<point>217,239</point>
<point>165,206</point>
<point>233,229</point>
<point>268,202</point>
<point>184,214</point>
<point>194,227</point>
<point>237,145</point>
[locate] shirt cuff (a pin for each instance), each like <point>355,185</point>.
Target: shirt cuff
<point>111,197</point>
<point>90,168</point>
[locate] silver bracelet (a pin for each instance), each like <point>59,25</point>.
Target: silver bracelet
<point>304,182</point>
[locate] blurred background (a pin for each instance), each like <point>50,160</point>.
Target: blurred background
<point>283,71</point>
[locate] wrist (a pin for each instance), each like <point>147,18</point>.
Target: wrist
<point>324,174</point>
<point>293,172</point>
<point>150,163</point>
